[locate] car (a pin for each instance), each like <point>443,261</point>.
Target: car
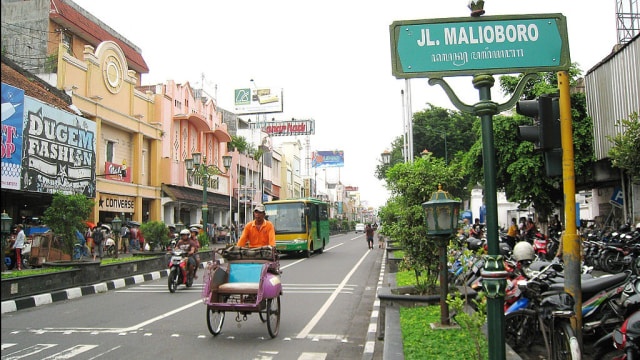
<point>359,228</point>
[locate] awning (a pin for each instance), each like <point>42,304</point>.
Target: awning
<point>221,135</point>
<point>194,196</point>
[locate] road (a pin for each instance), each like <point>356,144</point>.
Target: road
<point>326,307</point>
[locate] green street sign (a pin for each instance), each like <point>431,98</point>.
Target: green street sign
<point>487,44</point>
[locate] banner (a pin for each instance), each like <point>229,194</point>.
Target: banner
<point>59,151</point>
<point>323,159</point>
<point>12,109</point>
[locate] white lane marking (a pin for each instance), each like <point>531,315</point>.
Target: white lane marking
<point>7,345</point>
<point>312,356</point>
<point>28,351</point>
<point>303,334</point>
<point>104,353</point>
<point>70,352</point>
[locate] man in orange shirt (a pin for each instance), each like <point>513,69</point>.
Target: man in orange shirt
<point>259,232</point>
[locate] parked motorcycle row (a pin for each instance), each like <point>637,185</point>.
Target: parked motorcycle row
<point>614,251</point>
<point>538,310</point>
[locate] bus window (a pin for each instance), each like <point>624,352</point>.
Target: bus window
<point>287,218</point>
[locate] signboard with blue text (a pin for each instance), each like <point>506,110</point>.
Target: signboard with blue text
<point>488,44</point>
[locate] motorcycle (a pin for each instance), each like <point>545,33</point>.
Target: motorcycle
<point>179,270</point>
<point>540,246</point>
<point>627,338</point>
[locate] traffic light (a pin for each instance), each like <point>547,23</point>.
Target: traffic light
<point>545,133</point>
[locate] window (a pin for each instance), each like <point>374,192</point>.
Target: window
<point>109,151</point>
<point>67,40</point>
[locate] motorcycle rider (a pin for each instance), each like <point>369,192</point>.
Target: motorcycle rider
<point>194,238</point>
<point>187,245</point>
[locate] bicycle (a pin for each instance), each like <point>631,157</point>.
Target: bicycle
<point>546,313</point>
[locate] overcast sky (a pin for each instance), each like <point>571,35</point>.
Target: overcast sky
<point>331,58</point>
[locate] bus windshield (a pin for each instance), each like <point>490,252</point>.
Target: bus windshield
<point>287,218</point>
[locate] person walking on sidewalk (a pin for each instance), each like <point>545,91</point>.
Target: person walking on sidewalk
<point>98,240</point>
<point>369,231</point>
<point>18,245</point>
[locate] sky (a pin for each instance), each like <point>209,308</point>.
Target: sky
<point>331,59</point>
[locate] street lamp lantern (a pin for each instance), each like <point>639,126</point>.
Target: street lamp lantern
<point>116,225</point>
<point>386,157</point>
<point>197,157</point>
<point>441,213</point>
<point>179,226</point>
<point>226,160</point>
<point>6,223</point>
<point>189,164</point>
<point>441,217</point>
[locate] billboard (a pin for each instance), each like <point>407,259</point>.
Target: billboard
<point>323,159</point>
<point>12,108</point>
<point>257,101</point>
<point>45,149</point>
<point>59,151</point>
<point>288,128</point>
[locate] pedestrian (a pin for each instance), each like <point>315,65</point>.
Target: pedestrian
<point>523,227</point>
<point>530,230</point>
<point>133,239</point>
<point>369,231</point>
<point>556,226</point>
<point>476,230</point>
<point>512,233</point>
<point>89,236</point>
<point>98,240</point>
<point>214,233</point>
<point>380,238</point>
<point>466,227</point>
<point>125,235</point>
<point>141,240</point>
<point>18,245</point>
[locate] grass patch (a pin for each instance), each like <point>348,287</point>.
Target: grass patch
<point>421,342</point>
<point>15,274</point>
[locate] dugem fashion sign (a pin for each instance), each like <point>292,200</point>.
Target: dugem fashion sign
<point>487,44</point>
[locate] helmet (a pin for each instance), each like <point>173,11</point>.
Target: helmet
<point>184,232</point>
<point>523,251</point>
<point>194,229</point>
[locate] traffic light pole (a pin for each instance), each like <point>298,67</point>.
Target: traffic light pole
<point>570,242</point>
<point>494,276</point>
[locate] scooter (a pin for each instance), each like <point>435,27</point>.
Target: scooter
<point>627,338</point>
<point>540,246</point>
<point>179,270</point>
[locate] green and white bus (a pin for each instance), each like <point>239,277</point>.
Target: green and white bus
<point>302,225</point>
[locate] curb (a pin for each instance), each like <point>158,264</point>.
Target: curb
<point>73,293</point>
<point>370,341</point>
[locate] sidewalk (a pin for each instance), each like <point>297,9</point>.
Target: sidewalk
<point>76,292</point>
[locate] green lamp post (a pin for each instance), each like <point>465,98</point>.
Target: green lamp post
<point>441,217</point>
<point>197,167</point>
<point>116,226</point>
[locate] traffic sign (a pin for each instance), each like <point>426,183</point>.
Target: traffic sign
<point>488,44</point>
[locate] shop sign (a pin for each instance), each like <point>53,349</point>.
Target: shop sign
<point>58,151</point>
<point>115,203</point>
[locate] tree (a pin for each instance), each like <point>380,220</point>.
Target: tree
<point>625,153</point>
<point>67,214</point>
<point>411,184</point>
<point>155,232</point>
